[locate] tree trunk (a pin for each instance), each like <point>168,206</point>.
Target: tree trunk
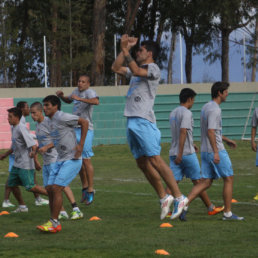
<point>224,55</point>
<point>188,60</point>
<point>99,24</point>
<point>254,63</point>
<point>170,59</point>
<point>130,15</point>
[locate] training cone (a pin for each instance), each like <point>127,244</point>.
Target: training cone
<point>161,251</point>
<point>234,201</point>
<point>94,218</point>
<point>4,213</point>
<point>11,234</point>
<point>166,225</point>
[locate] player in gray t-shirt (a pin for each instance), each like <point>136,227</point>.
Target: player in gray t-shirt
<point>68,165</point>
<point>215,160</point>
<point>142,133</point>
<point>84,98</point>
<point>183,159</point>
<point>24,150</point>
<point>254,123</point>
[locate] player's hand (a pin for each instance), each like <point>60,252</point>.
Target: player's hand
<point>59,93</point>
<point>43,149</point>
<point>38,166</point>
<point>254,146</point>
<point>132,41</point>
<point>32,154</point>
<point>232,144</point>
<point>124,42</point>
<point>178,160</point>
<point>75,97</point>
<point>196,148</point>
<point>216,158</point>
<point>78,151</point>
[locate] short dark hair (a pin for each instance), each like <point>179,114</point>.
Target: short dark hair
<point>218,87</point>
<point>15,111</point>
<point>151,46</point>
<point>185,94</point>
<point>37,105</point>
<point>21,104</point>
<point>54,100</point>
<point>85,75</point>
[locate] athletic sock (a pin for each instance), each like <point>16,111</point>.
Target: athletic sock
<point>180,198</point>
<point>55,222</point>
<point>228,214</point>
<point>39,199</point>
<point>76,209</point>
<point>22,206</point>
<point>164,198</point>
<point>211,207</point>
<point>74,205</point>
<point>84,189</point>
<point>64,213</point>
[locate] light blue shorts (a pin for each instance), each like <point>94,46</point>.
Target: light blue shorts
<point>212,170</point>
<point>143,137</point>
<point>11,162</point>
<point>189,167</point>
<point>64,172</point>
<point>87,148</point>
<point>46,172</point>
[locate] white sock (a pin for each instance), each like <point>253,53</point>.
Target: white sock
<point>180,198</point>
<point>164,198</point>
<point>22,206</point>
<point>63,213</point>
<point>228,214</point>
<point>76,209</point>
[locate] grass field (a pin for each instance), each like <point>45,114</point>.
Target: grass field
<point>130,211</point>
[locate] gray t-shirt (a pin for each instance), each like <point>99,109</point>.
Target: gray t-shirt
<point>211,119</point>
<point>23,120</point>
<point>61,128</point>
<point>44,138</point>
<point>82,109</point>
<point>22,142</point>
<point>255,118</point>
<point>181,117</point>
<point>142,92</point>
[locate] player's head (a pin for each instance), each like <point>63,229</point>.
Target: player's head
<point>14,115</point>
<point>220,89</point>
<point>36,111</point>
<point>148,51</point>
<point>83,82</point>
<point>24,107</point>
<point>187,95</point>
<point>51,104</point>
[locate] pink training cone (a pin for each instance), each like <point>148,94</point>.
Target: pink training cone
<point>11,234</point>
<point>166,225</point>
<point>161,252</point>
<point>94,218</point>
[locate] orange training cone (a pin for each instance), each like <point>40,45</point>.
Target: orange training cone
<point>234,201</point>
<point>94,218</point>
<point>162,252</point>
<point>4,213</point>
<point>11,234</point>
<point>166,225</point>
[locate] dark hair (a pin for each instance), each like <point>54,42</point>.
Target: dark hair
<point>15,111</point>
<point>152,47</point>
<point>21,104</point>
<point>85,75</point>
<point>185,94</point>
<point>37,105</point>
<point>218,87</point>
<point>54,100</point>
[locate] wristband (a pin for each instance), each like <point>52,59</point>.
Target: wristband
<point>128,59</point>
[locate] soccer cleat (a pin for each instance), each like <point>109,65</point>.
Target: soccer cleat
<point>90,197</point>
<point>216,210</point>
<point>63,216</point>
<point>182,216</point>
<point>19,209</point>
<point>84,195</point>
<point>178,207</point>
<point>48,227</point>
<point>256,197</point>
<point>76,215</point>
<point>41,202</point>
<point>233,217</point>
<point>7,204</point>
<point>165,206</point>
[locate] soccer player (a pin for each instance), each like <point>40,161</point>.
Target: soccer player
<point>215,160</point>
<point>24,149</point>
<point>142,133</point>
<point>49,153</point>
<point>253,134</point>
<point>183,159</point>
<point>84,99</point>
<point>69,162</point>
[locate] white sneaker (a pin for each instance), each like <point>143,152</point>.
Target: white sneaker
<point>7,204</point>
<point>165,206</point>
<point>178,207</point>
<point>63,216</point>
<point>41,202</point>
<point>19,209</point>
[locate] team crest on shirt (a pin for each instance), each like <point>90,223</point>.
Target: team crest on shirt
<point>137,99</point>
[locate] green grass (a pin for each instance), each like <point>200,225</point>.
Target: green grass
<point>129,210</point>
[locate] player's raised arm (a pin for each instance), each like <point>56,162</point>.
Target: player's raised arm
<point>61,95</point>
